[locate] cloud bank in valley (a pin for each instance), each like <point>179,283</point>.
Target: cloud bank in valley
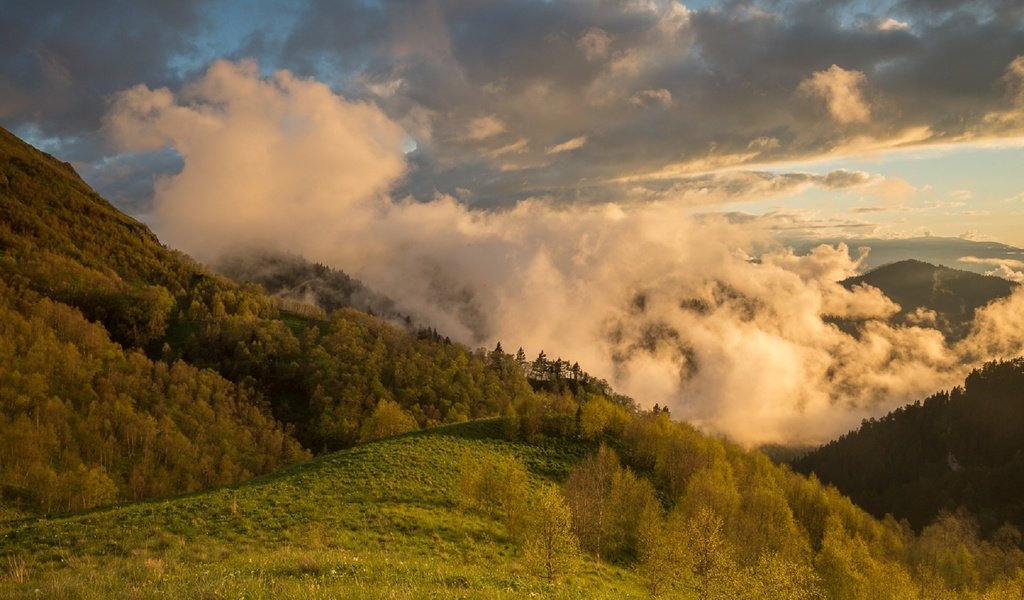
<point>707,315</point>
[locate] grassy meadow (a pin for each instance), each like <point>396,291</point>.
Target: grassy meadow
<point>382,520</point>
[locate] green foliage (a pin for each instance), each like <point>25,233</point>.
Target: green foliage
<point>659,552</point>
<point>549,546</point>
<point>387,420</point>
<point>499,486</point>
<point>587,492</point>
<point>84,422</point>
<point>600,417</point>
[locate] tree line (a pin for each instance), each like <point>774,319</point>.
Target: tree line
<point>696,516</point>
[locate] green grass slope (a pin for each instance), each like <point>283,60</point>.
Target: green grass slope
<point>381,520</point>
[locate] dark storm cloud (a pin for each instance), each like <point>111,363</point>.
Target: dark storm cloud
<point>506,100</point>
<point>59,60</point>
<point>659,86</point>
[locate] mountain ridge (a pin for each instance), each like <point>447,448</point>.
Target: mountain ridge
<point>934,295</point>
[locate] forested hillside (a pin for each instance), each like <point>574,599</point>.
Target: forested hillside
<point>127,370</point>
<point>958,449</point>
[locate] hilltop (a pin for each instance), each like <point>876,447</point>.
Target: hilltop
<point>938,250</point>
<point>934,296</point>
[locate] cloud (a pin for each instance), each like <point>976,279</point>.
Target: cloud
<point>482,128</point>
<point>842,92</point>
<point>265,159</point>
<point>651,85</point>
<point>516,147</point>
<point>594,43</point>
<point>1007,268</point>
<point>656,97</point>
<point>991,261</point>
<point>843,178</point>
<point>1007,272</point>
<point>1014,80</point>
<point>567,146</point>
<point>707,314</point>
<point>891,24</point>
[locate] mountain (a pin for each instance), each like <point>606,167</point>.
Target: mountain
<point>85,417</point>
<point>958,449</point>
<point>141,393</point>
<point>934,296</point>
<point>127,370</point>
<point>937,250</point>
<point>297,281</point>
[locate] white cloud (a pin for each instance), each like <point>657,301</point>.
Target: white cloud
<point>482,128</point>
<point>842,92</point>
<point>567,146</point>
<point>891,24</point>
<point>731,332</point>
<point>517,147</point>
<point>1014,79</point>
<point>652,97</point>
<point>273,158</point>
<point>1007,268</point>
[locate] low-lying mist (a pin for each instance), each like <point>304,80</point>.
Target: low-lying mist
<point>713,318</point>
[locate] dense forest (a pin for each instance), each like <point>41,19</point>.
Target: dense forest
<point>960,449</point>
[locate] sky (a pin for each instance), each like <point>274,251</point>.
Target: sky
<point>569,176</point>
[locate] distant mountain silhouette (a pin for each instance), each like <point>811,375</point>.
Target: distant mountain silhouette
<point>921,289</point>
<point>937,250</point>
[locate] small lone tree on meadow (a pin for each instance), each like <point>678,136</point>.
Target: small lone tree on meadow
<point>499,487</point>
<point>550,548</point>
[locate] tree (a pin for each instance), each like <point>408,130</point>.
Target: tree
<point>598,417</point>
<point>498,487</point>
<point>497,356</point>
<point>708,558</point>
<point>660,552</point>
<point>550,548</point>
<point>387,419</point>
<point>781,579</point>
<point>587,492</point>
<point>540,367</point>
<point>628,498</point>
